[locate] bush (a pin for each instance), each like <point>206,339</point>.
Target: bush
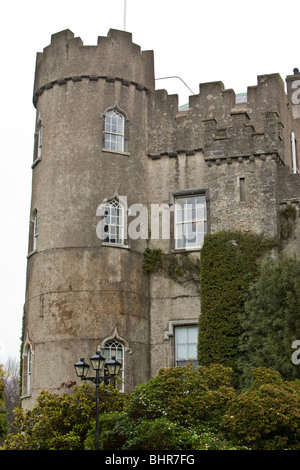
<point>114,430</point>
<point>183,395</point>
<point>179,409</point>
<point>60,422</point>
<point>161,434</point>
<point>266,416</point>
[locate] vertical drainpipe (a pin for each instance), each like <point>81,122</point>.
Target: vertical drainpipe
<point>294,152</point>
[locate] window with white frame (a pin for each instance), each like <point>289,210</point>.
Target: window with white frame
<point>35,231</point>
<point>114,130</point>
<point>186,340</point>
<point>29,364</point>
<point>114,349</point>
<point>40,141</point>
<point>114,222</point>
<point>190,222</point>
<point>27,368</point>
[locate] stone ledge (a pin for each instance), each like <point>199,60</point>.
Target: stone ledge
<point>80,78</point>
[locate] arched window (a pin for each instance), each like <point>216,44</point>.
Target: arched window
<point>38,140</point>
<point>114,222</point>
<point>27,368</point>
<point>113,348</point>
<point>114,131</point>
<point>35,231</point>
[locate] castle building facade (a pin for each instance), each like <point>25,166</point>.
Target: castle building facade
<point>119,169</point>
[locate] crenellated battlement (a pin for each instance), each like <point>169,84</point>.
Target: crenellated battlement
<point>219,125</point>
<point>114,57</point>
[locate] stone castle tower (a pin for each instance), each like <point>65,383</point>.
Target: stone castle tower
<point>107,141</point>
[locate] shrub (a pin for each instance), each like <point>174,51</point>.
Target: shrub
<point>161,434</point>
<point>114,429</point>
<point>266,416</point>
<point>183,395</point>
<point>60,422</point>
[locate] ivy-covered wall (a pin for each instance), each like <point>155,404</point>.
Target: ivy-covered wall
<point>181,267</point>
<point>228,264</point>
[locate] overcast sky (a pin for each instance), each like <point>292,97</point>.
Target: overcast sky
<point>231,41</point>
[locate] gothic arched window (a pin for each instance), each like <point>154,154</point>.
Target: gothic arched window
<point>35,231</point>
<point>27,367</point>
<point>114,131</point>
<point>114,222</point>
<point>38,141</point>
<point>113,348</point>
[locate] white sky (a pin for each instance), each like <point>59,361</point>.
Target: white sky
<point>199,41</point>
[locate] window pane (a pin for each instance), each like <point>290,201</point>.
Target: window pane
<point>114,131</point>
<point>113,217</point>
<point>186,340</point>
<point>192,334</point>
<point>191,351</point>
<point>182,335</point>
<point>190,222</point>
<point>182,351</point>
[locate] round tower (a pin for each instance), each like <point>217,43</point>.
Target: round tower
<point>85,286</point>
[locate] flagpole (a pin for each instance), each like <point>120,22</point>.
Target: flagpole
<point>124,19</point>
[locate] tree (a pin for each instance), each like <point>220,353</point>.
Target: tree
<point>3,421</point>
<point>11,387</point>
<point>61,422</point>
<point>271,320</point>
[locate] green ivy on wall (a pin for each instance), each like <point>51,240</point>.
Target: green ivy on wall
<point>228,264</point>
<point>181,267</point>
<point>287,219</point>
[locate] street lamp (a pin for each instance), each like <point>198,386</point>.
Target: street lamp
<point>110,368</point>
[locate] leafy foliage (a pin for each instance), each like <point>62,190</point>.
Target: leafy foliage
<point>271,320</point>
<point>161,434</point>
<point>3,421</point>
<point>179,409</point>
<point>152,260</point>
<point>114,429</point>
<point>118,431</point>
<point>182,408</point>
<point>266,416</point>
<point>181,267</point>
<point>287,218</point>
<point>228,264</point>
<point>61,422</point>
<point>183,395</point>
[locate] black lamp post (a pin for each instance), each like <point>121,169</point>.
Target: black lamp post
<point>98,364</point>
